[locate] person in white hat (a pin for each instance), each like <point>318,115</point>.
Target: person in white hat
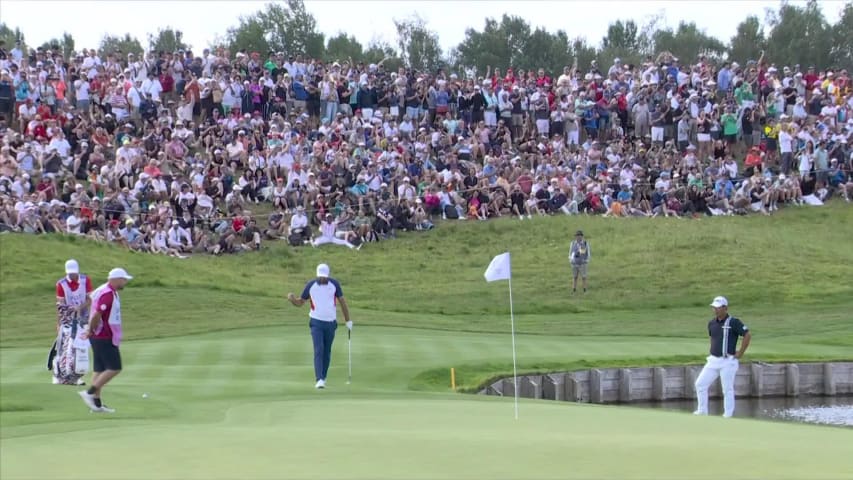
<point>723,360</point>
<point>325,294</point>
<point>71,351</point>
<point>104,333</point>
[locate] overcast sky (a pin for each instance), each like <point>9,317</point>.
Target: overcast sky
<point>367,20</point>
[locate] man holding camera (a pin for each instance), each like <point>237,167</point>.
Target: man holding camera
<point>579,255</point>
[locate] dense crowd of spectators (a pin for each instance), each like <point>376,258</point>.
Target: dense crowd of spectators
<point>173,152</point>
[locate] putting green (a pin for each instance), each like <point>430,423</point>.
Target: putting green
<point>241,404</point>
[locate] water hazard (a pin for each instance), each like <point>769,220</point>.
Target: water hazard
<point>821,410</point>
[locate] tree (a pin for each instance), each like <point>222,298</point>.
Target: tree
<point>121,45</point>
<point>624,41</point>
<point>748,41</point>
<point>800,35</point>
<point>687,42</point>
<point>841,52</point>
<point>287,28</point>
<point>167,40</point>
<point>624,36</point>
<point>419,47</point>
<point>10,36</point>
<point>583,53</point>
<point>249,35</point>
<point>292,29</point>
<point>500,44</point>
<point>379,51</point>
<point>342,47</point>
<point>64,45</point>
<point>548,51</point>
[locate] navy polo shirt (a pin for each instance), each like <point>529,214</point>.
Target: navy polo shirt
<point>719,333</point>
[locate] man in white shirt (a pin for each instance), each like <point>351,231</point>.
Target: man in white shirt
<point>152,86</point>
<point>299,225</point>
<point>786,148</point>
<point>179,238</point>
<point>74,223</point>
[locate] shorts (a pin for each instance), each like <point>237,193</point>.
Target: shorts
<point>107,356</point>
<point>657,134</point>
<point>577,269</point>
<point>731,139</point>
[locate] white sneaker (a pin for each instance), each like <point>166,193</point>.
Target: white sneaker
<point>320,384</point>
<point>105,409</point>
<point>89,400</point>
<point>55,381</point>
<point>697,412</point>
<point>80,381</point>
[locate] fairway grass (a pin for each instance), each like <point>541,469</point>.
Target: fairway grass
<point>226,362</point>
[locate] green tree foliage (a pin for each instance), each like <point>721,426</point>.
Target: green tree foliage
<point>64,45</point>
<point>841,52</point>
<point>800,35</point>
<point>418,45</point>
<point>687,42</point>
<point>500,44</point>
<point>549,51</point>
<point>167,40</point>
<point>284,27</point>
<point>749,40</point>
<point>624,41</point>
<point>9,36</point>
<point>343,47</point>
<point>379,51</point>
<point>121,45</point>
<point>249,35</point>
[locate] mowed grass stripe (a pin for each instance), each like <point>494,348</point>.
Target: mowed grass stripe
<point>16,364</point>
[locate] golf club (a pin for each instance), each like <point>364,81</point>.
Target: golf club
<point>349,355</point>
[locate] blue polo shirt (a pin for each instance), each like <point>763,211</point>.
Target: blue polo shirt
<point>323,298</point>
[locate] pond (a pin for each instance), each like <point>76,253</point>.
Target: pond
<point>822,410</point>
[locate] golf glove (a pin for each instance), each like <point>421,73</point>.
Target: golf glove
<point>349,325</point>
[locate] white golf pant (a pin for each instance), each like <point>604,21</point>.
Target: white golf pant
<point>337,241</point>
<point>726,368</point>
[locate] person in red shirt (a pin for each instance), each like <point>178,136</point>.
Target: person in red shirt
<point>71,352</point>
<point>104,333</point>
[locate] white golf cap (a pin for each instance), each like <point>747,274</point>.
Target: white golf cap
<point>118,273</point>
<point>322,270</point>
<point>71,266</point>
<point>720,302</point>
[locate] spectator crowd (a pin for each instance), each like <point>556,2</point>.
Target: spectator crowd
<point>179,153</point>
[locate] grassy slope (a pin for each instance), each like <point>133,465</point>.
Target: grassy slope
<point>649,278</point>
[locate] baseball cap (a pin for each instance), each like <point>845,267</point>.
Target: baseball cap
<point>579,232</point>
<point>71,266</point>
<point>322,270</point>
<point>118,273</point>
<point>720,302</point>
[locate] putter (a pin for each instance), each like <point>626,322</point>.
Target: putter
<point>349,355</point>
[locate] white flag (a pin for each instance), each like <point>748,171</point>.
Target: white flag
<point>499,269</point>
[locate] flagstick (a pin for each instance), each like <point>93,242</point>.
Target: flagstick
<point>514,369</point>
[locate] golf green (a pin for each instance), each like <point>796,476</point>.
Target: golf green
<point>241,404</point>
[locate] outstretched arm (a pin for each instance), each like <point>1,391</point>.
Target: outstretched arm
<point>296,301</point>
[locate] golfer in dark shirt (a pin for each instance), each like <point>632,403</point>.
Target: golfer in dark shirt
<point>724,331</point>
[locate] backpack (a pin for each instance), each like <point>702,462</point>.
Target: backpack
<point>450,212</point>
<point>295,239</point>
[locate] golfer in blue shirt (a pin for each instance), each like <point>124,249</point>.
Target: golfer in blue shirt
<point>323,293</point>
